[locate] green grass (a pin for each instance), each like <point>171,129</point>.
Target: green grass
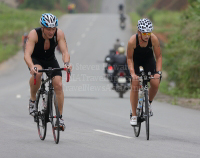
<point>176,92</point>
<point>164,18</point>
<point>14,22</point>
<point>134,20</point>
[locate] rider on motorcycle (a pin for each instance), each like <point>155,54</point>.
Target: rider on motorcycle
<point>119,63</point>
<point>121,8</point>
<point>122,18</point>
<point>117,44</point>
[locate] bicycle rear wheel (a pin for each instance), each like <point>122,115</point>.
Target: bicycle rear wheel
<point>147,114</point>
<point>54,116</point>
<point>40,115</point>
<point>138,126</point>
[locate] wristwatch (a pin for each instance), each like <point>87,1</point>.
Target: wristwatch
<point>66,63</point>
<point>159,72</point>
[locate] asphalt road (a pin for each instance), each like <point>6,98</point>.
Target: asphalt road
<point>97,120</point>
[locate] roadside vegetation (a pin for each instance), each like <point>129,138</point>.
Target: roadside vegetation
<point>14,22</point>
<point>181,51</point>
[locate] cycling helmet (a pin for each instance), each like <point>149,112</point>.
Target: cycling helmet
<point>121,50</point>
<point>145,25</point>
<point>48,20</point>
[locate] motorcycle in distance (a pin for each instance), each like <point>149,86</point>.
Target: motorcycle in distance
<point>122,21</point>
<point>122,85</point>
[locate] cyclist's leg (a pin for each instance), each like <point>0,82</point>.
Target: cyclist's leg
<point>34,88</point>
<point>154,83</point>
<point>134,91</point>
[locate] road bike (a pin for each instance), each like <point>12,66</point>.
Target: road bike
<point>142,110</point>
<point>47,105</point>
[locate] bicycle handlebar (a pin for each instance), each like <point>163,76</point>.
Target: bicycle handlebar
<point>143,76</point>
<point>51,70</point>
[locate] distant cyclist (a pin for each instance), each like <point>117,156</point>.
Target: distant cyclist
<point>39,53</point>
<point>24,39</point>
<point>117,44</point>
<point>141,50</point>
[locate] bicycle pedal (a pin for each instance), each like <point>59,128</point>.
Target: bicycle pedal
<point>35,119</point>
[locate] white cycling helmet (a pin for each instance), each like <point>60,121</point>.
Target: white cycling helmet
<point>48,20</point>
<point>145,25</point>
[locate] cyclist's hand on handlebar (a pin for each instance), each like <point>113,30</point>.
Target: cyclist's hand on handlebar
<point>69,68</point>
<point>33,70</point>
<point>134,77</point>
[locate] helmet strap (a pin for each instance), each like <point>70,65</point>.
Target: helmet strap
<point>142,39</point>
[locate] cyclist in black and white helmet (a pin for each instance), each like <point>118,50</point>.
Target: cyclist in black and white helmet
<point>142,47</point>
<point>39,52</point>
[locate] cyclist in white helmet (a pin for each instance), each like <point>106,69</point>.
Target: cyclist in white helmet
<point>39,52</point>
<point>142,47</point>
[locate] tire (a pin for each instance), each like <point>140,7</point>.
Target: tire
<point>147,114</point>
<point>54,116</point>
<point>40,115</point>
<point>138,127</point>
<point>121,94</point>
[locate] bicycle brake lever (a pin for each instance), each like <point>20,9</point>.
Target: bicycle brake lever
<point>35,68</point>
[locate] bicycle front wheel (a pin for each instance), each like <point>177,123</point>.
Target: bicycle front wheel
<point>54,116</point>
<point>147,114</point>
<point>40,115</point>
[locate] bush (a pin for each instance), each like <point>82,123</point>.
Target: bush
<point>39,4</point>
<point>182,54</point>
<point>14,22</point>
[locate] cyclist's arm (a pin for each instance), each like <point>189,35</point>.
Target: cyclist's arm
<point>63,46</point>
<point>30,44</point>
<point>130,51</point>
<point>157,52</point>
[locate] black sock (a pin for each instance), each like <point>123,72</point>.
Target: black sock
<point>32,101</point>
<point>60,116</point>
<point>150,101</point>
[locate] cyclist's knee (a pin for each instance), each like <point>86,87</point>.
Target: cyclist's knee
<point>135,87</point>
<point>154,85</point>
<point>58,86</point>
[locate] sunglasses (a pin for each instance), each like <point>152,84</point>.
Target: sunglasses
<point>146,33</point>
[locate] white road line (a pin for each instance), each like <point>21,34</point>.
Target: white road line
<point>114,134</point>
<point>83,35</point>
<point>87,29</point>
<point>72,52</point>
<point>18,96</point>
<point>78,43</point>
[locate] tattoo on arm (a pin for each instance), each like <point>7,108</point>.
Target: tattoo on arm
<point>65,41</point>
